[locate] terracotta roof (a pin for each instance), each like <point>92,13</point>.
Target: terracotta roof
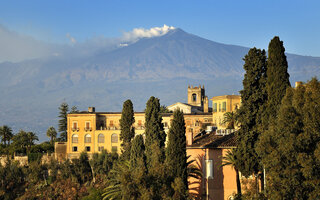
<point>214,141</point>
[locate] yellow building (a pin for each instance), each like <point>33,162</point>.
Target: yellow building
<point>93,131</point>
<point>221,105</point>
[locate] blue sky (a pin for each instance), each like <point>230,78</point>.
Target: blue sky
<point>245,23</point>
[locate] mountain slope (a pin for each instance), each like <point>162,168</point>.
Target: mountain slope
<point>160,66</point>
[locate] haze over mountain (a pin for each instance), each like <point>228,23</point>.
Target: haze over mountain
<point>160,66</point>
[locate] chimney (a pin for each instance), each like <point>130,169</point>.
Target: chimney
<point>189,138</point>
<point>91,109</point>
<point>298,83</point>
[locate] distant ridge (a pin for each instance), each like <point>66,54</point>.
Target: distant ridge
<point>162,66</point>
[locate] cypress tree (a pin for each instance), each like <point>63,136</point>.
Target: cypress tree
<point>137,157</point>
<point>64,108</point>
<point>127,131</point>
<point>277,79</point>
<point>253,98</point>
<point>155,135</point>
<point>176,155</point>
<point>155,150</point>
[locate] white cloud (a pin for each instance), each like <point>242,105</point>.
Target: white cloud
<point>141,32</point>
<point>17,47</point>
<point>72,39</point>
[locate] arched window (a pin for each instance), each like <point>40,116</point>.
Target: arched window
<point>74,138</point>
<point>114,138</point>
<point>100,138</point>
<point>87,138</point>
<point>194,97</point>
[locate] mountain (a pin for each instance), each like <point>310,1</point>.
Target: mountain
<point>163,66</point>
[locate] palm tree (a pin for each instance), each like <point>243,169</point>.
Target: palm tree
<point>230,159</point>
<point>230,119</point>
<point>115,189</point>
<point>31,137</point>
<point>6,134</point>
<point>52,134</point>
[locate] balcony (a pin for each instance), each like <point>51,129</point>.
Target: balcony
<point>88,129</point>
<point>75,129</point>
<point>113,128</point>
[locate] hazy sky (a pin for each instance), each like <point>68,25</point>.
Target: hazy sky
<point>34,23</point>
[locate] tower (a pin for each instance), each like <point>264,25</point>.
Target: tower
<point>196,96</point>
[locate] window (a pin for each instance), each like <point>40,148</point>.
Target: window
<point>194,97</point>
<point>100,149</point>
<point>209,169</point>
<point>111,122</point>
<point>75,138</point>
<point>139,123</point>
<point>87,138</point>
<point>224,106</point>
<point>100,138</point>
<point>74,149</point>
<point>87,125</point>
<point>114,138</point>
<point>214,107</point>
<point>114,149</point>
<point>88,149</point>
<point>74,126</point>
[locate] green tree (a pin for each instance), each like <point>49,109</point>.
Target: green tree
<point>176,155</point>
<point>277,79</point>
<point>82,169</point>
<point>64,108</point>
<point>12,180</point>
<point>231,160</point>
<point>155,135</point>
<point>155,149</point>
<point>253,97</point>
<point>6,134</point>
<point>230,119</point>
<point>74,109</point>
<point>291,146</point>
<point>23,141</point>
<point>127,130</point>
<point>164,109</point>
<point>52,134</point>
<point>137,156</point>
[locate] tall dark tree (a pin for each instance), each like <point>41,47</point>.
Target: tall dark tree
<point>155,135</point>
<point>277,79</point>
<point>6,134</point>
<point>127,130</point>
<point>249,115</point>
<point>176,155</point>
<point>137,157</point>
<point>155,148</point>
<point>64,108</point>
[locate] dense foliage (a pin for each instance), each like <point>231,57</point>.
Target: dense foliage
<point>64,108</point>
<point>127,129</point>
<point>176,155</point>
<point>292,145</point>
<point>253,97</point>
